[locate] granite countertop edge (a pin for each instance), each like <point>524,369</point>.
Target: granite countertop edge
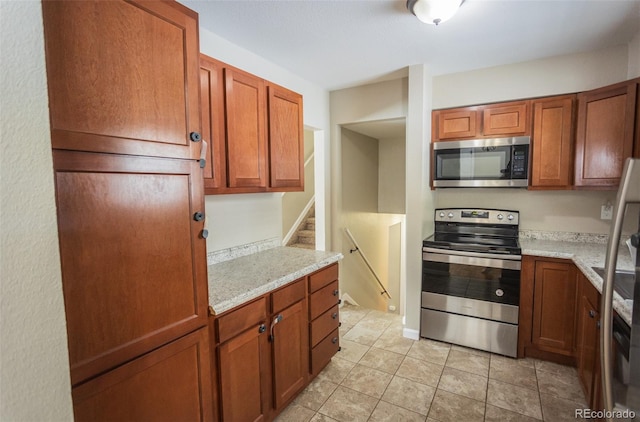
<point>238,281</point>
<point>585,256</point>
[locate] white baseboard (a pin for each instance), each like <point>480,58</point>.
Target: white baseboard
<point>346,298</point>
<point>412,334</point>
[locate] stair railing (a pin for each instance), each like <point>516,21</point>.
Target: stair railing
<point>366,261</point>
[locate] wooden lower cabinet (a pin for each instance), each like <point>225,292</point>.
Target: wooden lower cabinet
<point>588,345</point>
<point>548,309</point>
<point>264,356</point>
<point>168,384</point>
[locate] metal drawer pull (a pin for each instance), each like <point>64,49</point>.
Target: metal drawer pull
<point>592,313</point>
<point>334,315</point>
<point>335,292</point>
<point>334,340</point>
<point>262,328</point>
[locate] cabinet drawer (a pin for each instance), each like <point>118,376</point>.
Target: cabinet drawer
<point>324,324</point>
<point>324,351</point>
<point>323,277</point>
<point>240,319</point>
<point>323,299</point>
<point>288,295</point>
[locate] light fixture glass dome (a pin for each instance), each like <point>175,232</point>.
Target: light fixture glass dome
<point>434,11</point>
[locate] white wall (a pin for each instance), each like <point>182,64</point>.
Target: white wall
<point>634,57</point>
<point>391,175</point>
<point>566,211</point>
<point>538,78</point>
<point>34,375</point>
<point>243,218</point>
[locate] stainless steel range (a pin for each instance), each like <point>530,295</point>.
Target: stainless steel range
<point>471,279</point>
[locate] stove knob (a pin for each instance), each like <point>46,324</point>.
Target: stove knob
<point>510,217</point>
<point>441,214</point>
<point>450,215</point>
<point>500,217</point>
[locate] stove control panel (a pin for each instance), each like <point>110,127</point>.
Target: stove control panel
<point>481,216</point>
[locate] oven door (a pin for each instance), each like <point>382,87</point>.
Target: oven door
<point>474,284</point>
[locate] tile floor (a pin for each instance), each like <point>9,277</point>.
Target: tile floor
<point>381,376</point>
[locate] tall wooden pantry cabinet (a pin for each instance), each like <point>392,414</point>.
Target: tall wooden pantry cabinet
<point>123,80</point>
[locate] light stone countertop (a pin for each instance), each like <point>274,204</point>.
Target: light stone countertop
<point>239,280</point>
<point>585,256</point>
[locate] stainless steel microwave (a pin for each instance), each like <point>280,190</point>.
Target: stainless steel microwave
<point>499,162</point>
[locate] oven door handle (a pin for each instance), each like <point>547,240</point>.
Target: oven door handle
<point>478,260</point>
<point>476,254</point>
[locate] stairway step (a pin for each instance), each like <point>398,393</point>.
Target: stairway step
<point>303,245</point>
<point>306,233</point>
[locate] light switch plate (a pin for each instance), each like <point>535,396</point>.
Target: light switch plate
<point>606,212</point>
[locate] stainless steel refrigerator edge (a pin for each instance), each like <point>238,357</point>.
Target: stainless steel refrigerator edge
<point>629,396</point>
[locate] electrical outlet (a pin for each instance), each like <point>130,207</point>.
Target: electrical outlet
<point>606,212</point>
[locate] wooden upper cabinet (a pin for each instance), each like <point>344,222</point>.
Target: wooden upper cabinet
<point>457,123</point>
<point>552,144</point>
<point>506,119</point>
<point>140,95</point>
<point>286,139</point>
<point>133,264</point>
<point>482,121</point>
<point>213,122</point>
<point>254,129</point>
<point>605,134</point>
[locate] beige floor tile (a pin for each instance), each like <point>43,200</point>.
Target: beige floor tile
<point>295,413</point>
<point>430,350</point>
<point>409,394</point>
<point>505,360</point>
<point>517,399</point>
<point>336,370</point>
<point>351,315</point>
<point>387,412</point>
<point>463,383</point>
<point>346,405</point>
<point>316,393</point>
<point>497,414</point>
<point>319,417</point>
<point>367,380</point>
<point>468,362</point>
<point>393,340</point>
<point>449,407</point>
<point>382,360</point>
<point>563,384</point>
<point>352,351</point>
<point>374,324</point>
<point>360,333</point>
<point>513,372</point>
<point>556,409</point>
<point>420,371</point>
<point>555,368</point>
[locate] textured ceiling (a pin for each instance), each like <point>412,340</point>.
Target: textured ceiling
<point>338,44</point>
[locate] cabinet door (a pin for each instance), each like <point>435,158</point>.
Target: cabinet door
<point>123,77</point>
<point>168,384</point>
<point>604,137</point>
<point>246,137</point>
<point>456,123</point>
<point>554,307</point>
<point>133,263</point>
<point>506,119</point>
<point>213,129</point>
<point>286,141</point>
<point>244,367</point>
<point>552,163</point>
<point>290,345</point>
<point>587,339</point>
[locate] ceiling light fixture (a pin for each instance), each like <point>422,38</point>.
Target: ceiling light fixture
<point>434,11</point>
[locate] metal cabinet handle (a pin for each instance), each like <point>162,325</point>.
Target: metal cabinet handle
<point>262,328</point>
<point>335,292</point>
<point>592,313</point>
<point>334,340</point>
<point>334,315</point>
<point>276,320</point>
